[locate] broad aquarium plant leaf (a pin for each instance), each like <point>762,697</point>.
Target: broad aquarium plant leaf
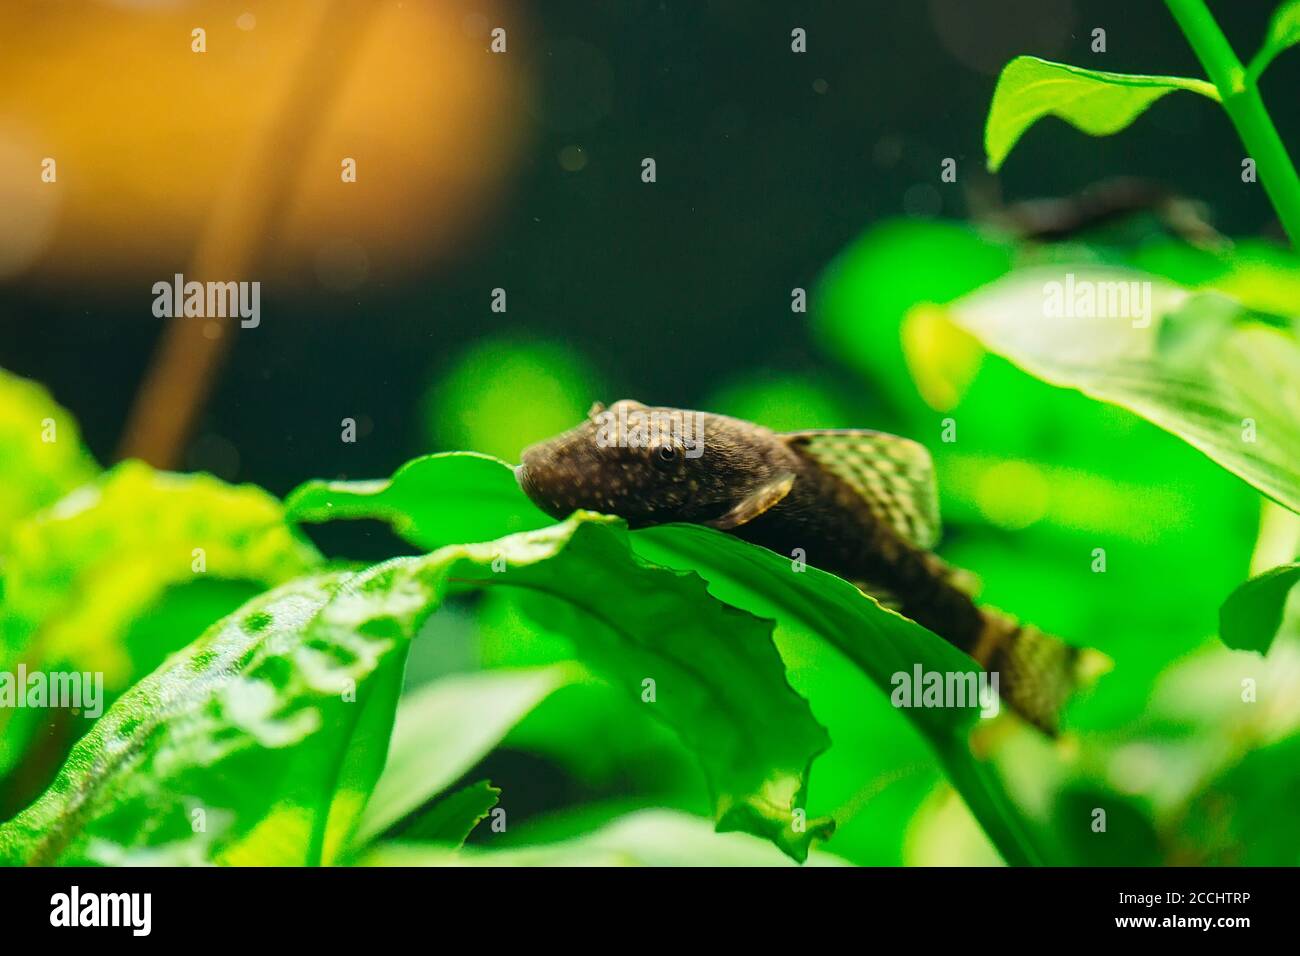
<point>1260,275</point>
<point>1198,365</point>
<point>79,572</point>
<point>265,696</point>
<point>458,499</point>
<point>443,729</point>
<point>1252,615</point>
<point>85,576</point>
<point>643,838</point>
<point>272,694</point>
<point>878,641</point>
<point>451,820</point>
<point>1095,101</point>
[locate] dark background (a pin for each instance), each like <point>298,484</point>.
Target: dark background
<point>768,164</point>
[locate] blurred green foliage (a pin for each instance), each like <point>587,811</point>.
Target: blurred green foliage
<point>507,392</point>
<point>1035,480</point>
<point>274,707</point>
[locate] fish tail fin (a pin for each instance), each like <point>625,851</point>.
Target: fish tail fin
<point>1037,673</point>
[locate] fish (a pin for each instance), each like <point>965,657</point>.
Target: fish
<point>860,504</point>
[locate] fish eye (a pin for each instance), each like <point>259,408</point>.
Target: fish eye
<point>666,453</point>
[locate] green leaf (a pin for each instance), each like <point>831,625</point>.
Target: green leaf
<point>273,694</point>
<point>880,642</point>
<point>1252,614</point>
<point>1243,817</point>
<point>1228,392</point>
<point>644,838</point>
<point>453,818</point>
<point>431,501</point>
<point>877,641</point>
<point>718,681</point>
<point>84,574</point>
<point>262,697</point>
<point>443,729</point>
<point>1094,101</point>
<point>1257,273</point>
<point>1283,32</point>
<point>41,455</point>
<point>81,571</point>
<point>1128,839</point>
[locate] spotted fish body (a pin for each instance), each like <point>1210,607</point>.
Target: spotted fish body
<point>860,504</point>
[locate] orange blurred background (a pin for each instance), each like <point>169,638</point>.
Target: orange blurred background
<point>157,146</point>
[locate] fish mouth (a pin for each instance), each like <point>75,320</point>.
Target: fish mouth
<point>524,478</point>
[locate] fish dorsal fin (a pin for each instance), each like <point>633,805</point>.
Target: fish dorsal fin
<point>894,475</point>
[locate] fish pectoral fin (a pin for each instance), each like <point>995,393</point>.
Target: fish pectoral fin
<point>755,504</point>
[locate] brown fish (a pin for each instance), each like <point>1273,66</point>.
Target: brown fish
<point>860,504</point>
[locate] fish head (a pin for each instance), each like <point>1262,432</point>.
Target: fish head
<point>648,465</point>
